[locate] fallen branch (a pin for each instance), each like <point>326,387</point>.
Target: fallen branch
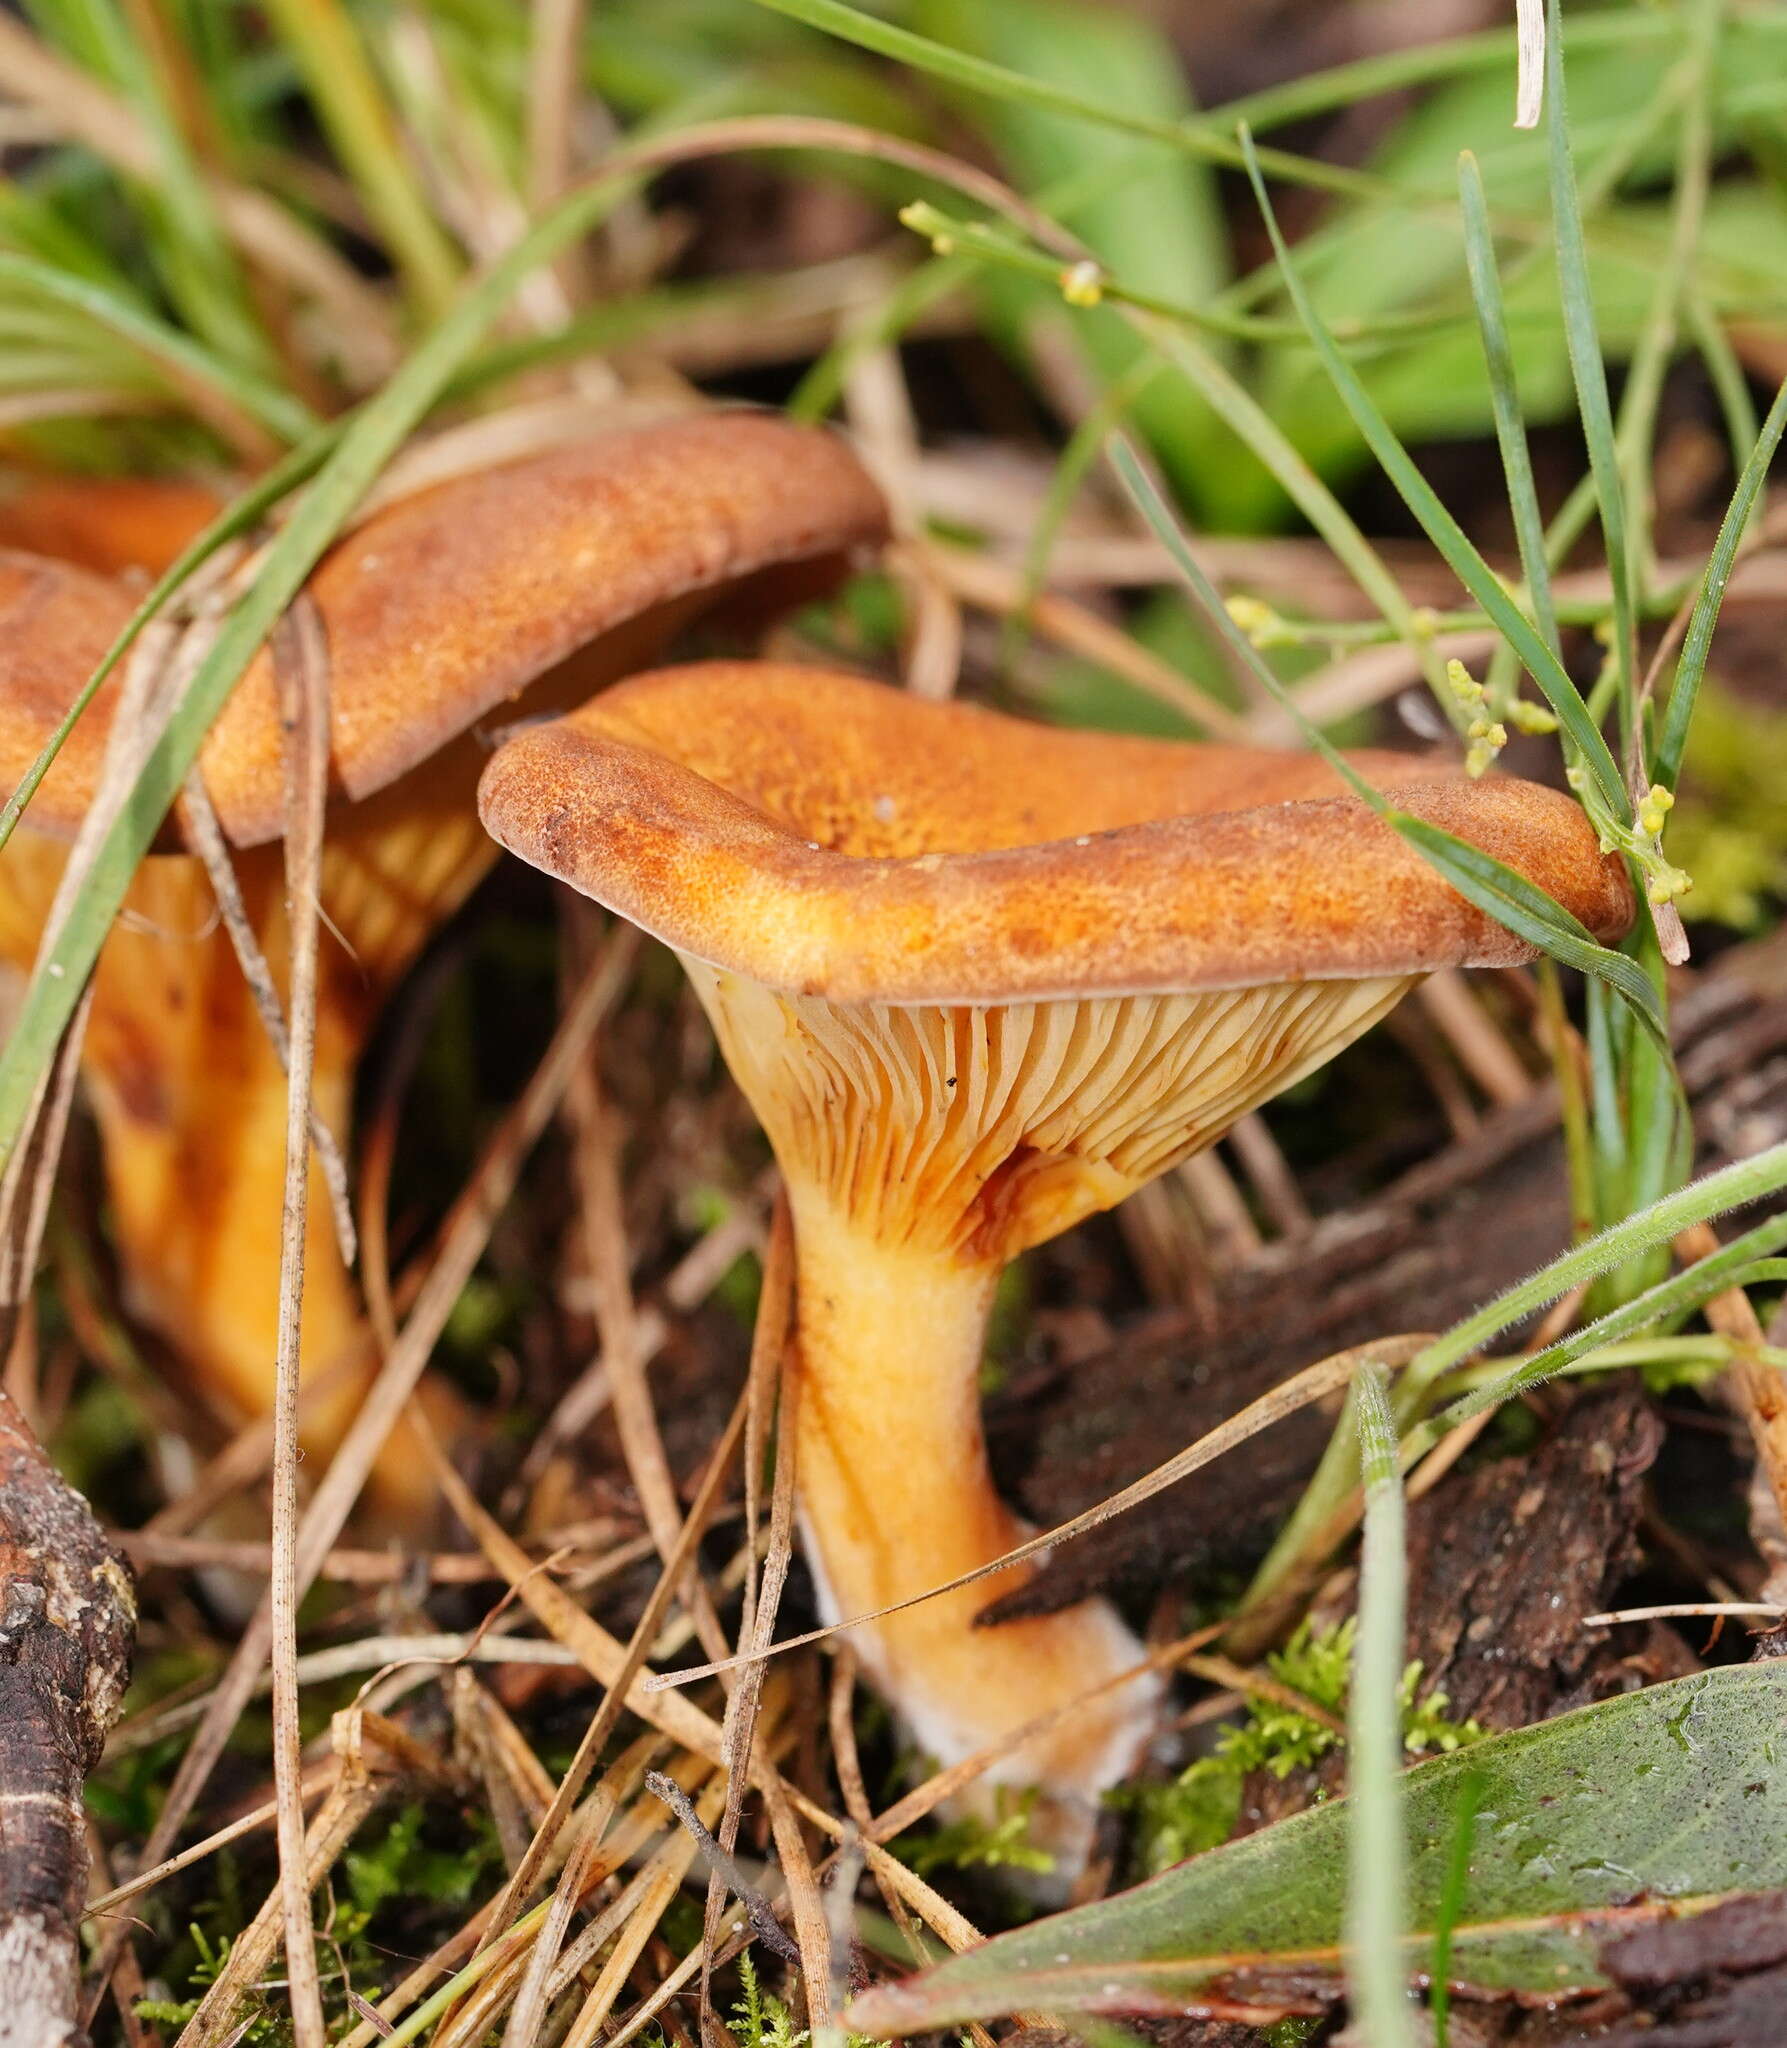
<point>67,1627</point>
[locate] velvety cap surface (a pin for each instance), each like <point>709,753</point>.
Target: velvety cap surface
<point>829,836</point>
<point>56,622</point>
<point>449,603</point>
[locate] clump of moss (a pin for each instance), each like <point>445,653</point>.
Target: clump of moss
<point>1199,1809</point>
<point>761,2020</point>
<point>999,1841</point>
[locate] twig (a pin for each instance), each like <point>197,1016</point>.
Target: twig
<point>758,1910</point>
<point>205,836</point>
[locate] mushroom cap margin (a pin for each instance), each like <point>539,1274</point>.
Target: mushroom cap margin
<point>450,602</point>
<point>1313,887</point>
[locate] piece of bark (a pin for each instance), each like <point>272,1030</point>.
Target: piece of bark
<point>67,1627</point>
<point>1716,1979</point>
<point>1431,1248</point>
<point>1503,1564</point>
<point>1505,1561</point>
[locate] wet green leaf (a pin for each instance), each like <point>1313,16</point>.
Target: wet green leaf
<point>1646,1804</point>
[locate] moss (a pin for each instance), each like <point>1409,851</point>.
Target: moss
<point>1199,1809</point>
<point>1729,829</point>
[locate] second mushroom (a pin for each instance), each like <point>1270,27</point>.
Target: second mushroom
<point>526,585</point>
<point>979,979</point>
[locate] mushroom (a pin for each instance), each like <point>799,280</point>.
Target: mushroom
<point>548,575</point>
<point>980,978</point>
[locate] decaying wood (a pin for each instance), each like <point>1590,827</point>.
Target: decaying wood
<point>1711,1980</point>
<point>67,1626</point>
<point>1505,1563</point>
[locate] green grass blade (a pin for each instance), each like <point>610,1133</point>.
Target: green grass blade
<point>1197,135</point>
<point>1745,1259</point>
<point>1344,85</point>
<point>1536,917</point>
<point>278,482</point>
<point>1586,365</point>
<point>345,93</point>
<point>1732,1187</point>
<point>1377,1884</point>
<point>1504,397</point>
<point>184,234</point>
<point>366,444</point>
<point>1478,876</point>
<point>187,361</point>
<point>1442,529</point>
<point>1697,642</point>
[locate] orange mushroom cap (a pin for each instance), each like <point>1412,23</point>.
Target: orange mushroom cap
<point>110,524</point>
<point>451,602</point>
<point>824,835</point>
<point>554,571</point>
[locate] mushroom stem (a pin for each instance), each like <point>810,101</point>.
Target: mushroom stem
<point>189,1098</point>
<point>190,1102</point>
<point>896,1496</point>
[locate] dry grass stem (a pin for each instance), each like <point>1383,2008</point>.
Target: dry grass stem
<point>1468,1029</point>
<point>461,1243</point>
<point>762,1599</point>
<point>924,1799</point>
<point>596,1172</point>
<point>206,838</point>
<point>301,665</point>
<point>1760,1391</point>
<point>620,1675</point>
<point>149,1548</point>
<point>1269,1175</point>
<point>361,327</point>
<point>1001,588</point>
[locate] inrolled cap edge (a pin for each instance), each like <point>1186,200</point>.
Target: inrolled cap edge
<point>1315,889</point>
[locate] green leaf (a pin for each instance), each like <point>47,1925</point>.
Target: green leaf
<point>1156,222</point>
<point>1651,1803</point>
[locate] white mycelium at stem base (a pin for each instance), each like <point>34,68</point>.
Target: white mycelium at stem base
<point>923,1148</point>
